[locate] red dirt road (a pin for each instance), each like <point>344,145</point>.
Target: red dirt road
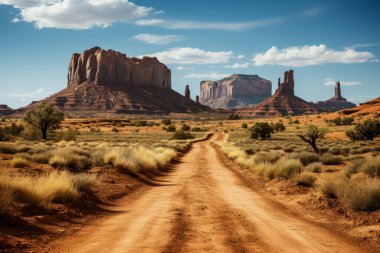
<point>202,206</point>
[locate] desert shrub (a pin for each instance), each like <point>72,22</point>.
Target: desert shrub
<point>261,130</point>
<point>114,129</point>
<point>141,123</point>
<point>314,167</point>
<point>339,151</point>
<point>334,188</point>
<point>337,121</point>
<point>170,128</point>
<point>244,125</point>
<point>42,157</point>
<point>306,157</point>
<point>70,135</point>
<point>166,122</point>
<point>279,126</point>
<point>328,159</point>
<point>19,162</point>
<point>367,130</point>
<point>12,148</point>
<point>296,121</point>
<point>289,149</point>
<point>305,179</point>
<point>233,116</point>
<point>363,193</point>
<point>72,158</point>
<point>285,168</point>
<point>139,159</point>
<point>83,181</point>
<point>198,129</point>
<point>185,127</point>
<point>371,167</point>
<point>181,135</point>
<point>267,157</point>
<point>347,120</point>
<point>13,129</point>
<point>361,150</point>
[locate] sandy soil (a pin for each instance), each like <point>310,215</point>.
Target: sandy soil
<point>202,206</point>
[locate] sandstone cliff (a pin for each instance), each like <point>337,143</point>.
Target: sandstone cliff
<point>282,103</point>
<point>107,80</point>
<point>337,102</point>
<point>5,110</point>
<point>235,91</point>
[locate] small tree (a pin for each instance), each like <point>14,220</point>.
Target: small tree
<point>312,136</point>
<point>337,121</point>
<point>279,126</point>
<point>261,130</point>
<point>44,117</point>
<point>185,127</point>
<point>244,125</point>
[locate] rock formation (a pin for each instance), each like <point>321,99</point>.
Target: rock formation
<point>5,110</point>
<point>197,99</point>
<point>282,103</point>
<point>187,92</point>
<point>107,80</point>
<point>235,91</point>
<point>369,109</point>
<point>337,102</point>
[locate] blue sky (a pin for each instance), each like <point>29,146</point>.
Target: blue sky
<point>323,41</point>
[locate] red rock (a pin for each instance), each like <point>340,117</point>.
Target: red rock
<point>337,102</point>
<point>282,103</point>
<point>187,92</point>
<point>5,110</point>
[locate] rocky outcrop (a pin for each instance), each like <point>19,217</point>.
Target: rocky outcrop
<point>337,102</point>
<point>187,92</point>
<point>109,67</point>
<point>235,91</point>
<point>109,81</point>
<point>197,99</point>
<point>283,102</point>
<point>369,109</point>
<point>5,110</point>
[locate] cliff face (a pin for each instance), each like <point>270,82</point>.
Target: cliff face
<point>235,91</point>
<point>337,102</point>
<point>109,67</point>
<point>283,102</point>
<point>5,110</point>
<point>107,80</point>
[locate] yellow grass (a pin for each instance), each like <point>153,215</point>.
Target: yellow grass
<point>19,162</point>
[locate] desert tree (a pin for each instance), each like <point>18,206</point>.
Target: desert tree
<point>44,117</point>
<point>312,135</point>
<point>261,130</point>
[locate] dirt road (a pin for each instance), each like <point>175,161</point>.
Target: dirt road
<point>202,206</point>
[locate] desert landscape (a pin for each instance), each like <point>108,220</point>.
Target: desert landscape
<point>146,152</point>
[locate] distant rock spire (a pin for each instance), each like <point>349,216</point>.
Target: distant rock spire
<point>197,99</point>
<point>287,87</point>
<point>187,92</point>
<point>279,82</point>
<point>338,93</point>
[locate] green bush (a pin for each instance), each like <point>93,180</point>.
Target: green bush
<point>233,116</point>
<point>367,130</point>
<point>185,127</point>
<point>279,126</point>
<point>166,122</point>
<point>181,135</point>
<point>170,128</point>
<point>198,129</point>
<point>261,130</point>
<point>244,125</point>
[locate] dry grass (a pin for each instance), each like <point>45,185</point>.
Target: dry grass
<point>73,158</point>
<point>306,157</point>
<point>137,159</point>
<point>371,167</point>
<point>19,162</point>
<point>61,187</point>
<point>328,159</point>
<point>306,179</point>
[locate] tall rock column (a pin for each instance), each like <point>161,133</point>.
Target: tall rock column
<point>338,93</point>
<point>187,92</point>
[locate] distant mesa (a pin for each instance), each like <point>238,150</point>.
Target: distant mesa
<point>366,108</point>
<point>235,91</point>
<point>283,102</point>
<point>5,110</point>
<point>337,102</point>
<point>107,80</point>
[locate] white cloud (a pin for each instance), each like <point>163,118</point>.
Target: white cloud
<point>312,11</point>
<point>158,12</point>
<point>331,82</point>
<point>203,25</point>
<point>184,68</point>
<point>310,55</point>
<point>212,75</point>
<point>15,20</point>
<point>240,56</point>
<point>237,66</point>
<point>77,14</point>
<point>157,39</point>
<point>188,55</point>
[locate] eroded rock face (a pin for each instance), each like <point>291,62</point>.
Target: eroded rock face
<point>109,81</point>
<point>109,67</point>
<point>283,102</point>
<point>5,110</point>
<point>337,102</point>
<point>235,91</point>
